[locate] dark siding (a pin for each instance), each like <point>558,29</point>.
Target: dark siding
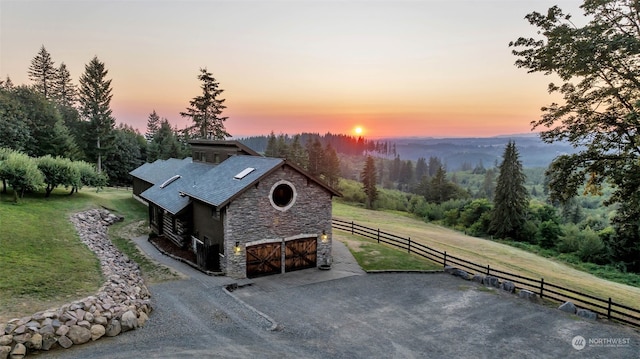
<point>205,225</point>
<point>140,186</point>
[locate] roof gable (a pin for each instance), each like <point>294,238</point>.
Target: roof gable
<point>169,192</point>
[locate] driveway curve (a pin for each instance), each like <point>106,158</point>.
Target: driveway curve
<point>345,313</point>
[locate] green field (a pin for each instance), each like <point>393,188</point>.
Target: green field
<point>42,261</point>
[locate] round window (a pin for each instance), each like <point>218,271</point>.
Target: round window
<point>283,195</point>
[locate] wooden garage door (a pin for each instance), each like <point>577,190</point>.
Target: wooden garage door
<point>264,259</point>
<point>300,254</point>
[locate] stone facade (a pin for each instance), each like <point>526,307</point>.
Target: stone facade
<point>252,217</point>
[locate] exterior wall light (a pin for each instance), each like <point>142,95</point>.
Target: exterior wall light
<point>237,249</point>
<point>324,237</point>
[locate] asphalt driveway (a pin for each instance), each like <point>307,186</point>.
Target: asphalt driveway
<point>344,313</point>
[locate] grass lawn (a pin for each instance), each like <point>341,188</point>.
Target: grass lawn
<point>42,261</point>
<point>483,252</point>
<point>375,256</point>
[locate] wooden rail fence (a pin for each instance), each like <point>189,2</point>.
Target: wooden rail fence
<point>603,307</point>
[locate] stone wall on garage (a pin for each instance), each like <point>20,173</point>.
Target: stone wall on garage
<point>251,217</point>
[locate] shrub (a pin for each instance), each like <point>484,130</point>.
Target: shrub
<point>570,240</point>
<point>591,248</point>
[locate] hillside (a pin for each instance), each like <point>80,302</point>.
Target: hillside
<point>482,251</point>
<point>454,152</point>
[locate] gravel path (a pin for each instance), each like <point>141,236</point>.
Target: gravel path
<point>348,314</point>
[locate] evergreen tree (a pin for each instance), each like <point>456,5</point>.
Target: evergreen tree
<point>297,153</point>
<point>511,200</point>
<point>488,187</point>
<point>368,178</point>
<point>205,111</point>
<point>422,169</point>
<point>153,124</point>
<point>95,99</point>
<point>316,157</point>
<point>330,166</point>
<point>64,91</point>
<point>43,73</point>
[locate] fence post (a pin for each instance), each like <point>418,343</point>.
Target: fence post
<point>351,227</point>
<point>378,235</point>
<point>409,245</point>
<point>444,263</point>
<point>488,270</point>
<point>609,309</point>
<point>541,287</point>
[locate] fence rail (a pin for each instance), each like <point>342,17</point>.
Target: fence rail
<point>603,307</point>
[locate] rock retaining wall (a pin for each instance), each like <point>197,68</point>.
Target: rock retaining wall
<point>121,304</point>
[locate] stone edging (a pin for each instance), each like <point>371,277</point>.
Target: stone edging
<point>122,303</point>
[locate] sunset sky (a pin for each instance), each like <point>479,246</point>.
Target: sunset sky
<point>395,68</point>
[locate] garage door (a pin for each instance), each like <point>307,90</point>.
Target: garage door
<point>300,254</point>
<point>264,259</point>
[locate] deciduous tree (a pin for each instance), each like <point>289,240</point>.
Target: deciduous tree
<point>598,67</point>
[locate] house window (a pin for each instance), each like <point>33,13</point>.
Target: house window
<point>283,195</point>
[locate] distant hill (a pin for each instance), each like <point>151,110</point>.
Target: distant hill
<point>455,152</point>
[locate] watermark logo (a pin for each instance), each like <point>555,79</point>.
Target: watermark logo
<point>579,342</point>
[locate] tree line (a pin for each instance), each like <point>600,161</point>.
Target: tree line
<point>52,116</point>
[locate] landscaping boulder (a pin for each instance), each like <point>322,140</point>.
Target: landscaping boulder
<point>587,314</point>
<point>6,340</point>
<point>4,351</point>
<point>449,269</point>
<point>97,331</point>
<point>65,342</point>
<point>18,352</point>
<point>35,343</point>
<point>460,273</point>
<point>527,294</point>
<point>79,335</point>
<point>129,321</point>
<point>114,328</point>
<point>48,340</point>
<point>508,286</point>
<point>478,278</point>
<point>491,281</point>
<point>568,307</point>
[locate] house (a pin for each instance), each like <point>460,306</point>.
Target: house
<point>241,213</point>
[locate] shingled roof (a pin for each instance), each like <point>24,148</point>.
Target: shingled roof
<point>220,185</point>
<point>156,172</point>
<point>169,192</point>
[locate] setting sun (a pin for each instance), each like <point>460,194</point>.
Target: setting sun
<point>358,130</point>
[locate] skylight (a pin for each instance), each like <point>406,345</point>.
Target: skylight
<point>244,173</point>
<point>169,181</point>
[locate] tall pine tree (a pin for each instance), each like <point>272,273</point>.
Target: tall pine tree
<point>368,178</point>
<point>206,110</point>
<point>153,125</point>
<point>43,73</point>
<point>95,99</point>
<point>64,91</point>
<point>511,199</point>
